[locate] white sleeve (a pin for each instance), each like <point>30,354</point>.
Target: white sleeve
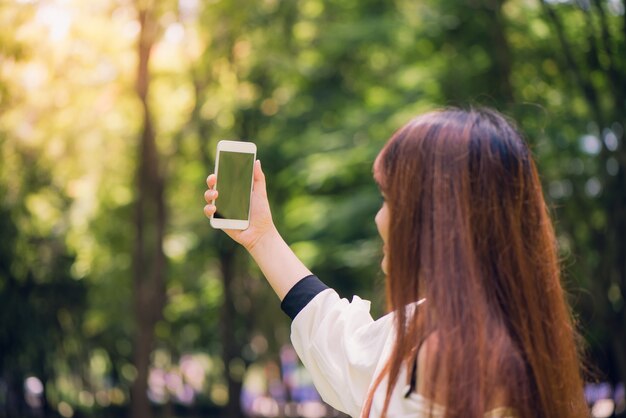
<point>341,346</point>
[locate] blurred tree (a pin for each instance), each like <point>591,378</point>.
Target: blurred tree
<point>149,264</point>
<point>594,62</point>
<point>42,303</point>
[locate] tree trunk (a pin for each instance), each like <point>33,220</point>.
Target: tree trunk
<point>231,348</point>
<point>148,257</point>
<point>501,51</point>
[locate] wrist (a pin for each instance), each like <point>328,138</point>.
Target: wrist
<point>265,240</point>
<point>277,261</point>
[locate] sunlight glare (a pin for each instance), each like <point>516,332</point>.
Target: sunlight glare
<point>56,18</point>
<point>175,33</point>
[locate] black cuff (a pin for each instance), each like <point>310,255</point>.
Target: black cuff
<point>301,294</point>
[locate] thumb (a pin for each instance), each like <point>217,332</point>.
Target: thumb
<point>259,178</point>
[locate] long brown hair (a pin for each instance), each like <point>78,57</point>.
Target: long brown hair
<point>470,231</point>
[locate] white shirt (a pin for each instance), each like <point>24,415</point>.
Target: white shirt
<point>344,350</point>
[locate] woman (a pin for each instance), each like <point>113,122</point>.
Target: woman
<point>478,322</point>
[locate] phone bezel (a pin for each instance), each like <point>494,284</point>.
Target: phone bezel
<point>244,148</point>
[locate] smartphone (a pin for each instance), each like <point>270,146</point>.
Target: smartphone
<point>234,163</point>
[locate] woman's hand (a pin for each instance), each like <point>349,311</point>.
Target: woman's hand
<point>261,223</point>
<point>278,263</point>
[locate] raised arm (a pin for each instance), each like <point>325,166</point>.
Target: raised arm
<point>338,341</point>
<point>279,264</point>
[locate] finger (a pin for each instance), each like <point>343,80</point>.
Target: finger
<point>211,180</point>
<point>259,178</point>
<point>209,210</point>
<point>210,195</point>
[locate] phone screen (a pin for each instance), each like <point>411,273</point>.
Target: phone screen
<point>233,183</point>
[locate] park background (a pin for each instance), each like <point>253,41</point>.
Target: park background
<point>118,299</point>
